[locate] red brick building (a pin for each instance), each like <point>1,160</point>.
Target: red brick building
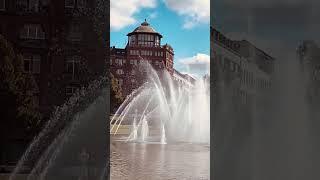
<point>59,43</point>
<point>144,43</point>
<point>63,44</point>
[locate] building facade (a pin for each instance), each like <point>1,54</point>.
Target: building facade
<point>238,80</point>
<point>239,65</point>
<point>58,42</point>
<point>144,45</point>
<point>308,54</point>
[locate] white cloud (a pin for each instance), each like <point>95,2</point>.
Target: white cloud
<point>197,65</point>
<point>194,76</point>
<point>153,15</point>
<point>194,11</point>
<point>122,12</point>
<point>267,3</point>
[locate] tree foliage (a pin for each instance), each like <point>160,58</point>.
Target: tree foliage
<point>17,102</point>
<point>116,93</point>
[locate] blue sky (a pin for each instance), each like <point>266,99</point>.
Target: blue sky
<point>186,29</point>
<point>275,26</point>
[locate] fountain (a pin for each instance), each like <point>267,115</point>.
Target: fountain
<point>163,112</point>
<point>163,136</point>
<point>273,137</point>
<point>144,130</point>
<point>134,129</point>
<point>168,111</point>
<point>170,130</point>
<point>78,124</point>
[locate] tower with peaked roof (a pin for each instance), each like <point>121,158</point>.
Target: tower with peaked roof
<point>144,43</point>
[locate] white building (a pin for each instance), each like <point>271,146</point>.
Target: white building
<point>183,79</point>
<point>235,71</point>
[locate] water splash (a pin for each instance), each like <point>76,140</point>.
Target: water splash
<point>51,153</point>
<point>144,130</point>
<point>171,111</point>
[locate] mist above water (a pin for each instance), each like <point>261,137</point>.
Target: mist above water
<point>282,127</point>
<point>171,111</point>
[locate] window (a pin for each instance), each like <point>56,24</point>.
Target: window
<point>226,64</point>
<point>82,3</point>
<point>36,63</point>
<point>134,61</point>
<point>120,71</point>
<point>69,3</point>
<point>75,33</point>
<point>232,66</point>
<point>120,82</point>
<point>146,53</point>
<point>30,5</point>
<point>132,40</point>
<point>27,63</point>
<point>146,40</point>
<point>158,53</point>
<point>73,65</point>
<point>2,5</point>
<point>70,90</point>
<point>73,3</point>
<point>120,62</point>
<point>32,31</point>
<point>31,63</point>
<point>34,5</point>
<point>157,41</point>
<point>22,5</point>
<point>134,52</point>
<point>161,64</point>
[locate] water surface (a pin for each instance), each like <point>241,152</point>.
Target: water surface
<point>138,161</point>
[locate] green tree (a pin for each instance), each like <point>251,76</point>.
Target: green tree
<point>116,94</point>
<point>18,108</point>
